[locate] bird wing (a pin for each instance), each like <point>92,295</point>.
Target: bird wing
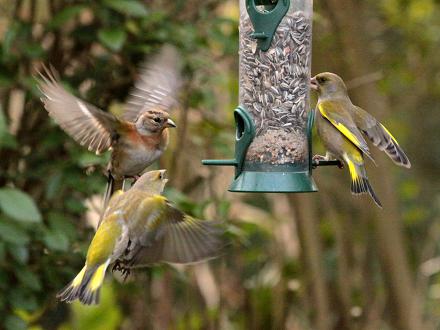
<point>85,123</point>
<point>157,86</point>
<point>380,136</point>
<point>336,114</point>
<point>173,236</point>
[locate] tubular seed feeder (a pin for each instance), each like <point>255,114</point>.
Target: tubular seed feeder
<point>273,124</point>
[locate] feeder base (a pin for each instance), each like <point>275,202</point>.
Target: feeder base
<point>273,182</point>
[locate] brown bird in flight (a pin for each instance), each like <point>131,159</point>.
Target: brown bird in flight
<point>140,136</point>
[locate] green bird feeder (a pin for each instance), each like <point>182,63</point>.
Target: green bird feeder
<point>273,120</point>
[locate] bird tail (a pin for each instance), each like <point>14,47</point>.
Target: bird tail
<point>85,286</point>
<point>359,179</point>
<point>385,141</point>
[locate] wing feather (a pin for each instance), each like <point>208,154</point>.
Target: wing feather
<point>380,137</point>
<point>335,113</point>
<point>158,84</point>
<point>179,238</point>
<point>85,123</point>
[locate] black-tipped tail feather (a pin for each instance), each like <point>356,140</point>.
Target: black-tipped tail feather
<point>359,181</point>
<point>85,286</point>
<point>363,186</point>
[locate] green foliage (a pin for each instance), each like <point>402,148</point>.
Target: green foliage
<point>113,38</point>
<point>19,205</point>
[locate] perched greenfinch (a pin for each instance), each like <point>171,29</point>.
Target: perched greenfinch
<point>340,125</point>
<point>139,136</point>
<point>141,227</point>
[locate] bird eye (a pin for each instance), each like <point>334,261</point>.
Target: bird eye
<point>157,120</point>
<point>321,80</point>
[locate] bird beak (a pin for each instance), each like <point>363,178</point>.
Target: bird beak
<point>314,84</point>
<point>170,123</point>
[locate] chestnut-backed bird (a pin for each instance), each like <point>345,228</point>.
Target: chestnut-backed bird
<point>139,136</point>
<point>141,227</point>
<point>340,125</point>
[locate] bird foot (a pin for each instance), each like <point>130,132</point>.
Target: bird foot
<point>125,271</point>
<point>340,164</point>
<point>316,159</point>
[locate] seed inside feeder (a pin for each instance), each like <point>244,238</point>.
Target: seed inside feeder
<point>274,89</point>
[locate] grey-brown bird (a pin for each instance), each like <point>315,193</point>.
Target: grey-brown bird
<point>340,125</point>
<point>140,136</point>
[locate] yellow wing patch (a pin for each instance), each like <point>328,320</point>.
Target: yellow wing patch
<point>341,128</point>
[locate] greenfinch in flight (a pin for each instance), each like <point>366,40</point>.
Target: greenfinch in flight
<point>141,227</point>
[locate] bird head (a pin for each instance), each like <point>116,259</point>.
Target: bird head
<point>152,181</point>
<point>328,84</point>
<point>153,121</point>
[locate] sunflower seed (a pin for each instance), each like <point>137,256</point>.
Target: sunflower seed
<point>274,89</point>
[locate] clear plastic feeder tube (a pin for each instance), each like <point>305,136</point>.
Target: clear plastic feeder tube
<point>274,87</point>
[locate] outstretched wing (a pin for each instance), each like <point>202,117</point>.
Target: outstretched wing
<point>158,84</point>
<point>380,136</point>
<point>85,123</point>
<point>176,237</point>
<point>340,118</point>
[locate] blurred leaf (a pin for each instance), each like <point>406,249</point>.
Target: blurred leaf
<point>33,50</point>
<point>128,7</point>
<point>19,205</point>
<point>12,233</point>
<point>105,316</point>
<point>6,139</point>
<point>29,279</point>
<point>21,299</point>
<point>53,185</point>
<point>2,251</point>
<point>86,159</point>
<point>113,38</point>
<point>65,15</point>
<point>56,240</point>
<point>59,222</point>
<point>19,252</point>
<point>13,322</point>
<point>10,36</point>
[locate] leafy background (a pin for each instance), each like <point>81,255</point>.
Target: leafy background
<point>320,261</point>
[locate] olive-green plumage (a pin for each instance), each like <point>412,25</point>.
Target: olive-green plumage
<point>141,227</point>
<point>340,125</point>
